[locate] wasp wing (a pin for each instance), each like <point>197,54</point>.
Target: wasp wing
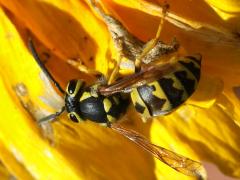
<point>179,163</point>
<point>147,74</point>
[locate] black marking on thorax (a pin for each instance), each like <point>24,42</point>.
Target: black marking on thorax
<point>92,108</point>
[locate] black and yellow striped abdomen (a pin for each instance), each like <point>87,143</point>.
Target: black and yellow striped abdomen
<point>167,93</point>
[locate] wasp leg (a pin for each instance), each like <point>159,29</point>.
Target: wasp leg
<point>153,42</point>
<point>159,52</point>
<point>115,71</point>
<point>79,65</point>
<point>101,79</point>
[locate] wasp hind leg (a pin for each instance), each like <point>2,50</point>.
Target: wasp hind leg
<point>154,48</point>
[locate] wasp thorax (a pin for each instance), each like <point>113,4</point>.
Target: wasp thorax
<point>86,103</point>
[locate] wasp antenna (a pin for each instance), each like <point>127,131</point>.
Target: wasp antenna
<point>52,116</point>
<point>42,66</point>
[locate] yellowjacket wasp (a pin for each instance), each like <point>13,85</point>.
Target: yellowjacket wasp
<point>155,89</point>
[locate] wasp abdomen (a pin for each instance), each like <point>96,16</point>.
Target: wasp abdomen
<point>167,93</point>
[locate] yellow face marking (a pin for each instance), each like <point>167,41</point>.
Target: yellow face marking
<point>78,85</point>
<point>107,104</point>
<point>137,99</point>
<point>160,94</point>
<point>85,95</point>
<point>111,118</point>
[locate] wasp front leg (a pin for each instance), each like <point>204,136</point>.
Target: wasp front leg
<point>81,67</point>
<point>115,71</point>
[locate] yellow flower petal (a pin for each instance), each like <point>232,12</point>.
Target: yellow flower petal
<point>70,30</point>
<point>227,10</point>
<point>229,6</point>
<point>4,173</point>
<point>86,37</point>
<point>18,134</point>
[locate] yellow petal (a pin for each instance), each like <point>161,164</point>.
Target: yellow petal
<point>4,173</point>
<point>229,6</point>
<point>227,10</point>
<point>86,150</point>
